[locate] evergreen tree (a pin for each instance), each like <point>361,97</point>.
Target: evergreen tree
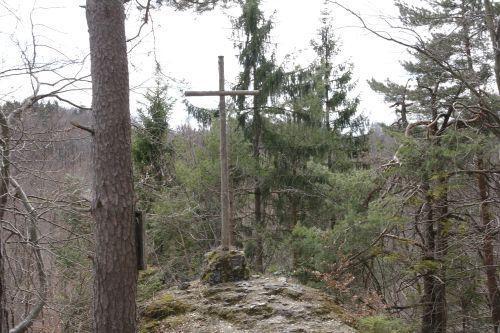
<point>151,150</point>
<point>260,73</point>
<point>443,102</point>
<point>318,122</point>
<point>336,86</point>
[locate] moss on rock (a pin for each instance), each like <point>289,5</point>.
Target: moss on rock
<point>165,312</point>
<point>164,307</point>
<point>224,266</point>
<point>149,326</point>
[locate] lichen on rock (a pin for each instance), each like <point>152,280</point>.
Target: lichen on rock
<point>260,305</point>
<point>222,266</point>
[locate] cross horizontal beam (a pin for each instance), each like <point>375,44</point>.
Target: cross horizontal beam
<point>222,93</point>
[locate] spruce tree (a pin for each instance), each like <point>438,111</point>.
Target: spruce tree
<point>260,73</point>
<point>336,88</point>
<point>151,150</point>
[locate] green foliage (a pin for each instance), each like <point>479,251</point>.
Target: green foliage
<point>342,225</point>
<point>184,217</point>
<point>382,324</point>
<point>151,150</point>
<point>172,226</point>
<point>203,116</point>
<point>311,250</point>
<point>150,282</point>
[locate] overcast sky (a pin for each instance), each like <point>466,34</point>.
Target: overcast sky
<point>187,46</point>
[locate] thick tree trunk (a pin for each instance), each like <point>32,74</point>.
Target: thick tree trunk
<point>113,203</point>
<point>488,252</point>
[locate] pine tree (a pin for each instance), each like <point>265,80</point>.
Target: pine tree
<point>447,74</point>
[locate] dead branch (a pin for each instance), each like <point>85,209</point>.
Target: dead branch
<point>84,128</point>
<point>24,324</point>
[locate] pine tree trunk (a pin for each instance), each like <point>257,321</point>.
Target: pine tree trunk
<point>441,316</point>
<point>488,252</point>
<point>428,255</point>
<point>434,316</point>
<point>113,203</point>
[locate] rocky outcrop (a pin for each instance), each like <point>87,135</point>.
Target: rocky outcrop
<point>224,266</point>
<point>263,304</point>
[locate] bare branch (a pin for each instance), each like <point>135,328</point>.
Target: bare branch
<point>23,325</point>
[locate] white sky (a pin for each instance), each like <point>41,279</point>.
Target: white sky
<point>187,46</point>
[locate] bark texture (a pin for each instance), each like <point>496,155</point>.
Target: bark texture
<point>113,203</point>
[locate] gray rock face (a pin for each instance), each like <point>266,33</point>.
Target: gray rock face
<point>264,305</point>
<point>224,266</point>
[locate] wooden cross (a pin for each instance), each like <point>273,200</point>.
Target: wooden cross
<point>227,227</point>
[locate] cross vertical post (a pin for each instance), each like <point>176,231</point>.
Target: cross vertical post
<point>227,227</point>
<point>224,164</point>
